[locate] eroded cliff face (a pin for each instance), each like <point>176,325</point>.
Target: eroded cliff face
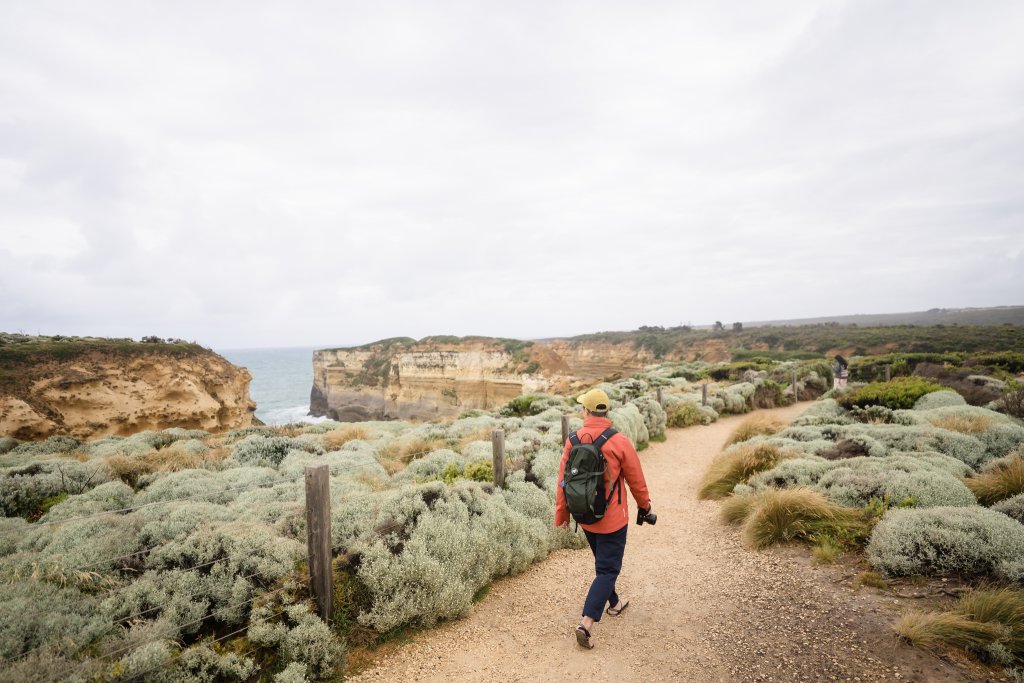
<point>431,379</point>
<point>97,393</point>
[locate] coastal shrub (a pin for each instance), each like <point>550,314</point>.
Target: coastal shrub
<point>445,551</point>
<point>796,471</point>
<point>113,495</point>
<point>244,549</point>
<point>736,464</point>
<point>52,445</point>
<point>1001,479</point>
<point>80,552</point>
<point>269,451</point>
<point>35,613</point>
<point>655,417</point>
<point>431,466</point>
<point>628,420</point>
<point>939,399</point>
<point>822,411</point>
<point>161,524</point>
<point>1002,439</point>
<point>969,541</point>
<point>900,392</point>
<point>193,484</point>
<point>7,444</point>
<point>1012,507</point>
<point>30,490</point>
<point>521,406</point>
<point>684,414</point>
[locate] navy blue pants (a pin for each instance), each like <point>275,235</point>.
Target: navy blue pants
<point>608,550</point>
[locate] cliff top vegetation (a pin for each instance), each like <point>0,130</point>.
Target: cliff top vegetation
<point>20,353</point>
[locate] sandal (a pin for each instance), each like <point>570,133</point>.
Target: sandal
<point>616,612</point>
<point>583,637</point>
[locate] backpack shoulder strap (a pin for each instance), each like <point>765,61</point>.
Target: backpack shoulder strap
<point>603,438</point>
<point>574,439</point>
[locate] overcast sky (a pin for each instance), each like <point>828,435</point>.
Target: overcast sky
<point>252,174</point>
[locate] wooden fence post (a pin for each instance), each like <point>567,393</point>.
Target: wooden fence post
<point>661,397</point>
<point>796,393</point>
<point>704,394</point>
<point>318,537</point>
<point>498,456</point>
<point>888,373</point>
<point>565,429</point>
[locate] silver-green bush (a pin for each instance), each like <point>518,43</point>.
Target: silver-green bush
<point>969,541</point>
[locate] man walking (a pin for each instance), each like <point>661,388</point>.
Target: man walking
<point>607,535</point>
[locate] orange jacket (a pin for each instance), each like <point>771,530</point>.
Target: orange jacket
<point>622,461</point>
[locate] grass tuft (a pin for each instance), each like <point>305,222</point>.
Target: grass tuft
<point>873,579</point>
<point>736,509</point>
<point>755,425</point>
<point>930,629</point>
<point>736,465</point>
<point>965,424</point>
<point>1004,479</point>
<point>799,514</point>
<point>337,438</point>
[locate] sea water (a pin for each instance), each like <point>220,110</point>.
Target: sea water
<point>281,382</point>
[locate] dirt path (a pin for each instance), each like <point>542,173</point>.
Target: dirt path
<point>703,608</point>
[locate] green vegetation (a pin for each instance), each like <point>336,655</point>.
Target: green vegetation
<point>824,338</point>
<point>901,392</point>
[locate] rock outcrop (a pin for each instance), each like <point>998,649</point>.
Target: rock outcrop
<point>434,378</point>
<point>101,387</point>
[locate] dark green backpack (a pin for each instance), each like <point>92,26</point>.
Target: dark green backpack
<point>583,481</point>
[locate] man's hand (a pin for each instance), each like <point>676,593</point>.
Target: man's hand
<point>563,525</point>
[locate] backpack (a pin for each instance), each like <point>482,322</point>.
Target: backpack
<point>583,481</point>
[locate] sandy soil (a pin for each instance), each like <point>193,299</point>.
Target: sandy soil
<point>703,608</point>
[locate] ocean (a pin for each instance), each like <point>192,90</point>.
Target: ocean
<point>281,381</point>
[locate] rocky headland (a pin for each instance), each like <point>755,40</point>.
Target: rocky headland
<point>440,377</point>
<point>88,387</point>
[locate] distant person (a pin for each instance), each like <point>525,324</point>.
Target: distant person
<point>607,534</point>
<point>840,373</point>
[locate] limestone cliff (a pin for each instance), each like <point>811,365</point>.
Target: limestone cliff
<point>439,377</point>
<point>88,388</point>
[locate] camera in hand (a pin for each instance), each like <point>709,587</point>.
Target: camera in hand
<point>647,516</point>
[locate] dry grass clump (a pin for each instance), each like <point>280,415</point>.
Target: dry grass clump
<point>1001,480</point>
<point>337,438</point>
<point>755,425</point>
<point>736,465</point>
<point>987,621</point>
<point>736,509</point>
<point>965,424</point>
<point>394,456</point>
<point>129,468</point>
<point>929,629</point>
<point>798,514</point>
<point>873,579</point>
<point>479,435</point>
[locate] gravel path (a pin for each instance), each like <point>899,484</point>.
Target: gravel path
<point>703,608</point>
